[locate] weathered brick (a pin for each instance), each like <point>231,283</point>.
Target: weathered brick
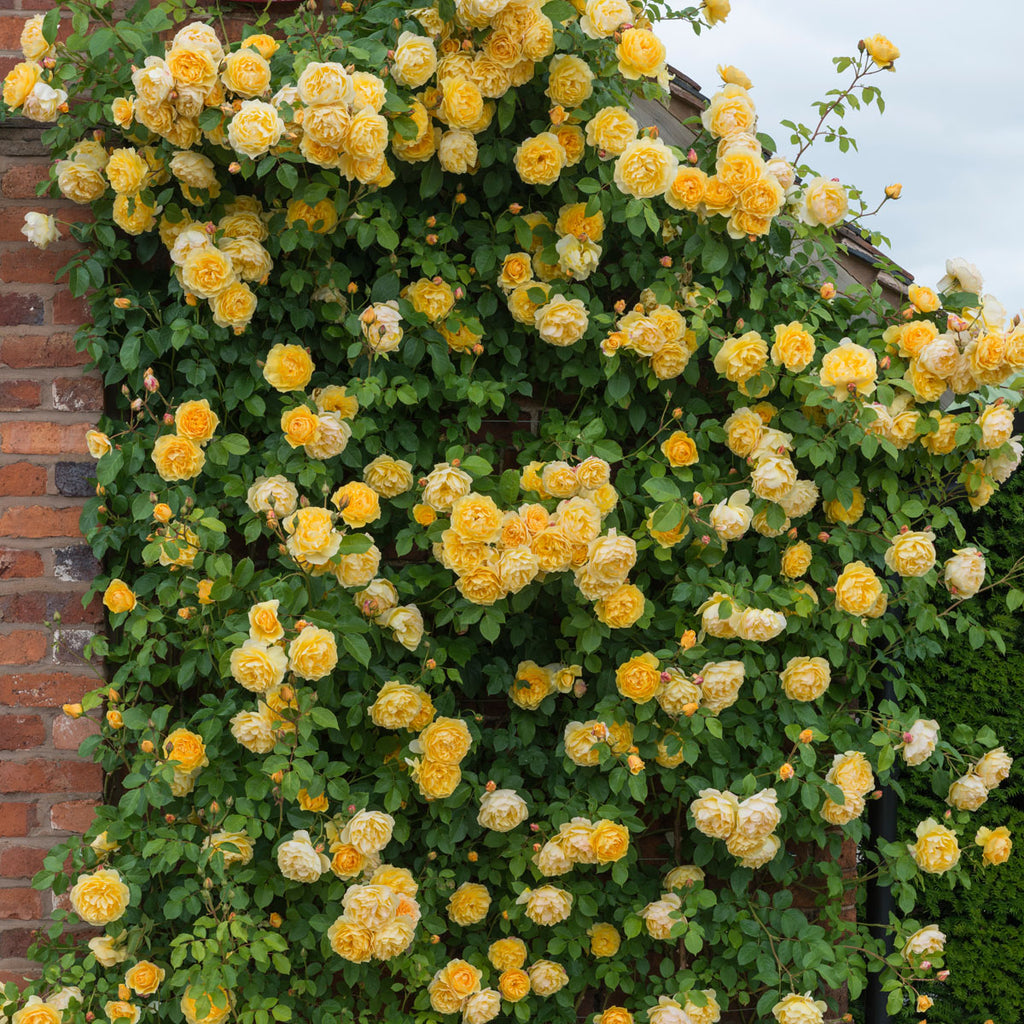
<point>78,394</point>
<point>75,564</point>
<point>39,437</point>
<point>41,776</point>
<point>24,479</point>
<point>21,861</point>
<point>20,732</point>
<point>23,646</point>
<point>16,395</point>
<point>39,521</point>
<point>69,644</point>
<point>68,733</point>
<point>16,818</point>
<point>14,943</point>
<point>21,180</point>
<point>16,564</point>
<point>73,479</point>
<point>20,904</point>
<point>25,607</point>
<point>69,310</point>
<point>30,350</point>
<point>43,689</point>
<point>73,815</point>
<point>21,308</point>
<point>70,610</point>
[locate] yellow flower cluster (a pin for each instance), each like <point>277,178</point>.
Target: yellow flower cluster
<point>971,790</point>
<point>581,841</point>
<point>180,456</point>
<point>581,740</point>
<point>656,333</point>
<point>852,774</point>
<point>747,826</point>
<point>534,682</point>
<point>442,745</point>
<point>456,987</point>
<point>27,85</point>
<point>756,624</point>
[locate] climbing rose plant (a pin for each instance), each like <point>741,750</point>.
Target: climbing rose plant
<point>509,526</point>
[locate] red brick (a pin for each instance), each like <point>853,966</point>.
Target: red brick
<point>19,394</point>
<point>23,646</point>
<point>16,818</point>
<point>68,733</point>
<point>22,478</point>
<point>27,607</point>
<point>21,180</point>
<point>40,776</point>
<point>21,308</point>
<point>21,861</point>
<point>39,521</point>
<point>20,905</point>
<point>10,33</point>
<point>73,815</point>
<point>44,689</point>
<point>68,310</point>
<point>30,350</point>
<point>78,394</point>
<point>28,265</point>
<point>14,943</point>
<point>16,564</point>
<point>19,732</point>
<point>40,437</point>
<point>71,611</point>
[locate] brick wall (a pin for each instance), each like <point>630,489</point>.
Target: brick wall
<point>47,402</point>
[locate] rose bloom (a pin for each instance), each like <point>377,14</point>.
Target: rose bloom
<point>299,861</point>
<point>313,654</point>
<point>35,1011</point>
<point>849,364</point>
<point>222,843</point>
<point>645,168</point>
<point>715,813</point>
<point>144,978</point>
<point>743,431</point>
<point>609,841</point>
<point>924,735</point>
<point>837,512</point>
<point>288,367</point>
<point>357,504</point>
<point>118,597</point>
<point>797,1009</point>
<point>436,780</point>
<point>547,905</point>
<point>196,421</point>
<point>994,767</point>
<point>415,60</point>
<point>299,426</point>
<point>967,793</point>
<point>824,203</point>
<point>679,449</point>
<point>881,51</point>
<point>446,740</point>
<point>502,810</point>
<point>312,537</point>
<point>351,941</point>
<point>995,843</point>
<point>539,160</point>
<point>388,477</point>
<point>796,560</point>
<point>561,321</point>
<point>255,129</point>
<point>507,954</point>
<point>858,589</point>
<point>481,1007</point>
<point>794,347</point>
<point>514,984</point>
<point>996,422</point>
<point>177,458</point>
<point>622,608</point>
<point>658,916</point>
<point>851,773</point>
<point>186,749</point>
<point>936,849</point>
<point>570,80</point>
<point>911,553</point>
<point>234,307</point>
<point>741,358</point>
<point>730,111</point>
<point>926,941</point>
<point>805,679</point>
<point>272,494</point>
<point>406,621</point>
<point>99,898</point>
<point>641,53</point>
<point>107,950</point>
<point>469,904</point>
<point>639,679</point>
<point>610,130</point>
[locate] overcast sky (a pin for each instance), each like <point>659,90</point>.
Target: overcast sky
<point>952,131</point>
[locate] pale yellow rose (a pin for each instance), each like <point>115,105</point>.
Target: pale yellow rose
<point>313,654</point>
<point>507,954</point>
<point>911,553</point>
<point>312,537</point>
<point>796,560</point>
<point>919,741</point>
<point>561,321</point>
<point>805,679</point>
<point>797,1009</point>
<point>255,129</point>
<point>622,608</point>
<point>741,358</point>
<point>926,941</point>
<point>995,843</point>
<point>502,810</point>
<point>258,666</point>
<point>469,904</point>
<point>547,905</point>
<point>350,940</point>
<point>641,53</point>
<point>660,917</point>
<point>793,347</point>
<point>936,849</point>
<point>99,898</point>
<point>824,203</point>
<point>570,80</point>
<point>611,130</point>
<point>730,111</point>
<point>715,813</point>
<point>858,590</point>
<point>837,512</point>
<point>20,82</point>
<point>851,773</point>
<point>994,767</point>
<point>722,681</point>
<point>645,168</point>
<point>967,793</point>
<point>406,622</point>
<point>415,60</point>
<point>881,51</point>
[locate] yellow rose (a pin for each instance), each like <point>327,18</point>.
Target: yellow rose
<point>79,183</point>
<point>610,130</point>
<point>476,518</point>
<point>20,82</point>
<point>357,504</point>
<point>923,299</point>
<point>313,654</point>
<point>126,171</point>
<point>640,52</point>
<point>622,608</point>
<point>639,679</point>
<point>99,898</point>
<point>246,73</point>
<point>516,269</point>
<point>207,272</point>
<point>407,623</point>
<point>687,189</point>
<point>994,767</point>
<point>996,422</point>
<point>614,1015</point>
<point>196,421</point>
<point>851,773</point>
<point>797,1009</point>
<point>387,476</point>
<point>858,590</point>
<point>539,160</point>
<point>849,367</point>
<point>561,321</point>
<point>837,512</point>
<point>995,843</point>
<point>514,984</point>
<point>507,954</point>
<point>967,793</point>
<point>796,560</point>
<point>547,977</point>
<point>570,80</point>
<point>936,849</point>
<point>824,203</point>
<point>943,440</point>
<point>255,129</point>
<point>531,685</point>
<point>35,1010</point>
<point>445,740</point>
<point>679,449</point>
<point>415,60</point>
<point>645,168</point>
<point>911,553</point>
<point>299,426</point>
<point>144,978</point>
<point>177,458</point>
<point>132,215</point>
<point>288,367</point>
<point>743,431</point>
<point>741,358</point>
<point>257,666</point>
<point>351,941</point>
<point>604,939</point>
<point>118,597</point>
<point>312,537</point>
<point>469,904</point>
<point>793,348</point>
<point>435,301</point>
<point>609,841</point>
<point>192,68</point>
<point>730,111</point>
<point>881,51</point>
<point>234,307</point>
<point>805,679</point>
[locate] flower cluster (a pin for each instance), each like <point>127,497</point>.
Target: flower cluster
<point>747,826</point>
<point>582,841</point>
<point>656,333</point>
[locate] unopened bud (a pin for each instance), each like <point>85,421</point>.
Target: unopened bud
<point>431,663</point>
<point>459,292</point>
<point>827,291</point>
<point>893,191</point>
<point>277,777</point>
<point>169,818</point>
<point>472,856</point>
<point>146,746</point>
<point>431,221</point>
<point>942,976</point>
<point>698,499</point>
<point>534,827</point>
<point>806,735</point>
<point>515,208</point>
<point>885,362</point>
<point>536,847</point>
<point>786,772</point>
<point>460,198</point>
<point>691,156</point>
<point>666,677</point>
<point>688,640</point>
<point>168,418</point>
<point>824,536</point>
<point>123,303</point>
<point>579,688</point>
<point>478,349</point>
<point>705,538</point>
<point>666,261</point>
<point>690,709</point>
<point>73,710</point>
